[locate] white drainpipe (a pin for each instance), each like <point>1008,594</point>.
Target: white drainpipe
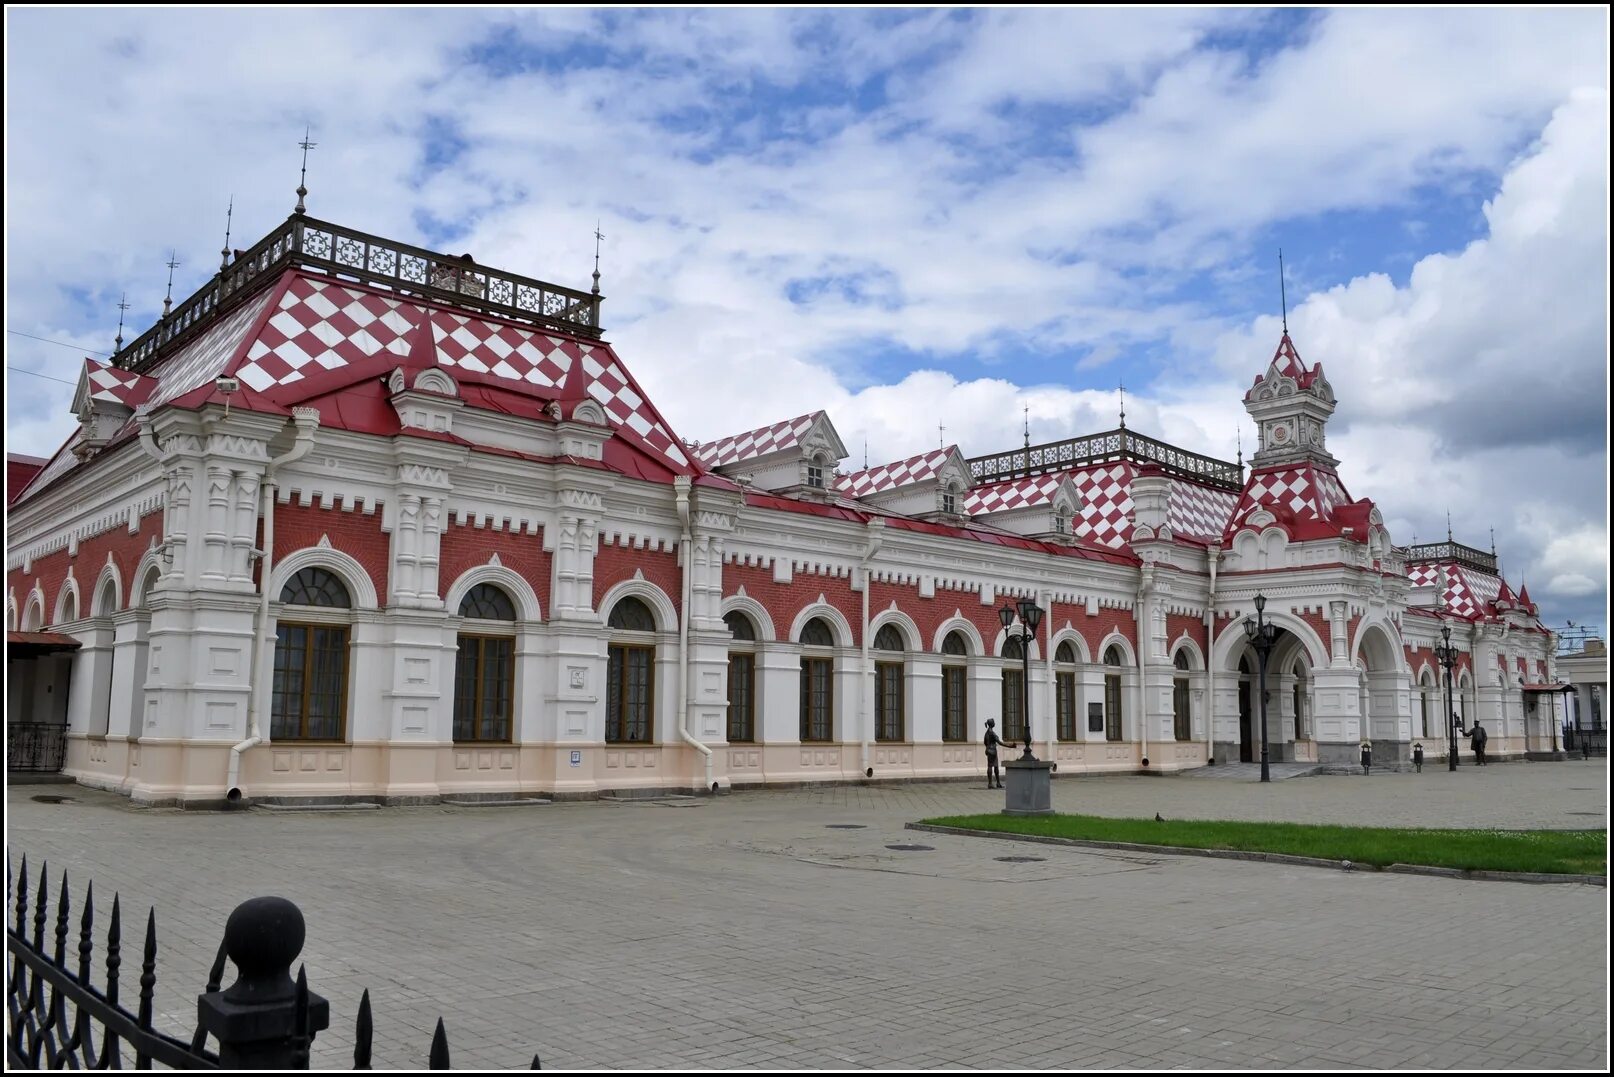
<point>1145,584</point>
<point>866,694</point>
<point>681,485</point>
<point>1210,665</point>
<point>307,420</point>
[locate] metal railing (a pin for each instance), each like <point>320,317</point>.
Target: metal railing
<point>343,252</point>
<point>1114,445</point>
<point>1452,551</point>
<point>1585,742</point>
<point>58,1018</point>
<point>36,747</point>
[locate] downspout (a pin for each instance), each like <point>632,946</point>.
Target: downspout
<point>681,485</point>
<point>866,692</point>
<point>1145,585</point>
<point>1051,681</point>
<point>1215,559</point>
<point>307,420</point>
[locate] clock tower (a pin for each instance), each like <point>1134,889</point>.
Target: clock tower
<point>1290,405</point>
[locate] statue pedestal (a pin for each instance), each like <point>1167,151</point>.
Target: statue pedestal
<point>1029,790</point>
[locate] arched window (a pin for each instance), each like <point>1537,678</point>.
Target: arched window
<point>315,587</point>
<point>955,692</point>
<point>70,607</point>
<point>816,467</point>
<point>1065,690</point>
<point>817,681</point>
<point>1113,717</point>
<point>1013,648</point>
<point>1014,689</point>
<point>485,667</point>
<point>308,699</point>
<point>1426,690</point>
<point>1181,720</point>
<point>106,604</point>
<point>630,673</point>
<point>742,723</point>
<point>888,686</point>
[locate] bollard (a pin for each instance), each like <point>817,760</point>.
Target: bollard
<point>256,1020</point>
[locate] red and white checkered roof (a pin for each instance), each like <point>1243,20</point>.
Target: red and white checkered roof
<point>1013,494</point>
<point>893,476</point>
<point>320,326</point>
<point>115,386</point>
<point>1294,494</point>
<point>205,358</point>
<point>755,443</point>
<point>505,351</point>
<point>1199,511</point>
<point>1289,364</point>
<point>1468,594</point>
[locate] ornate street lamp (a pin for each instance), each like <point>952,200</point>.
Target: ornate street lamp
<point>1446,655</point>
<point>1030,615</point>
<point>1263,636</point>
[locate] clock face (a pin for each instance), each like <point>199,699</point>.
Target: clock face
<point>1280,433</point>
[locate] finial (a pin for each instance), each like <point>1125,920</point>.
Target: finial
<point>1448,525</point>
<point>865,454</point>
<point>302,179</point>
<point>599,237</point>
<point>1025,412</point>
<point>224,255</point>
<point>123,305</point>
<point>168,300</point>
<point>1493,542</point>
<point>941,436</point>
<point>1123,404</point>
<point>1239,438</point>
<point>1283,292</point>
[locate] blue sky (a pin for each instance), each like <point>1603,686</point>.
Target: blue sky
<point>908,217</point>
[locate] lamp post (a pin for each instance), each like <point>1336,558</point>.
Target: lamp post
<point>1262,636</point>
<point>1446,655</point>
<point>1030,615</point>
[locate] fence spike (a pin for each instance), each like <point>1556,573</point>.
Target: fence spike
<point>537,1065</point>
<point>301,1038</point>
<point>363,1033</point>
<point>439,1055</point>
<point>86,942</point>
<point>114,951</point>
<point>63,901</point>
<point>40,900</point>
<point>22,899</point>
<point>148,970</point>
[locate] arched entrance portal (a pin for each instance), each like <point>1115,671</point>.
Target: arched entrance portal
<point>1384,692</point>
<point>1288,700</point>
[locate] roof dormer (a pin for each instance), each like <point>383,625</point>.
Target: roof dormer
<point>795,456</point>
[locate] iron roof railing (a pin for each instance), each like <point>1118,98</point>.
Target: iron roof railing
<point>307,243</point>
<point>1119,444</point>
<point>1478,560</point>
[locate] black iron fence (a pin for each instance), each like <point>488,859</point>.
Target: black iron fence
<point>1585,742</point>
<point>39,747</point>
<point>1113,445</point>
<point>58,1017</point>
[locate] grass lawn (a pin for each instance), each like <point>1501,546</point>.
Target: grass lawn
<point>1565,852</point>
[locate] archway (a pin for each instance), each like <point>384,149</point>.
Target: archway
<point>1384,704</point>
<point>1287,699</point>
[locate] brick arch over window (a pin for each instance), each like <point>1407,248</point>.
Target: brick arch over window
<point>1118,643</point>
<point>361,589</point>
<point>971,634</point>
<point>505,579</point>
<point>68,605</point>
<point>839,626</point>
<point>108,590</point>
<point>755,611</point>
<point>33,611</point>
<point>1185,645</point>
<point>902,623</point>
<point>1074,638</point>
<point>146,576</point>
<point>661,607</point>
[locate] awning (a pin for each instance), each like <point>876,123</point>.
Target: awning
<point>38,644</point>
<point>1557,687</point>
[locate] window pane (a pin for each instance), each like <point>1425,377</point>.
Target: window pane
<point>1014,715</point>
<point>613,695</point>
<point>742,669</point>
<point>465,688</point>
<point>631,614</point>
<point>888,701</point>
<point>817,699</point>
<point>1066,705</point>
<point>1112,707</point>
<point>955,714</point>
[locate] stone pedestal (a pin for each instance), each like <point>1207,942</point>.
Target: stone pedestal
<point>1029,790</point>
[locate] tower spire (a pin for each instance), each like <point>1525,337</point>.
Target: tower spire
<point>865,454</point>
<point>941,436</point>
<point>1448,525</point>
<point>1123,404</point>
<point>168,299</point>
<point>224,255</point>
<point>123,305</point>
<point>1025,412</point>
<point>302,179</point>
<point>1283,292</point>
<point>599,237</point>
<point>1238,435</point>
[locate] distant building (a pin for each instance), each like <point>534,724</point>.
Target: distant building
<point>359,519</point>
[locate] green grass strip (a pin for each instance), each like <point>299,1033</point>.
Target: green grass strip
<point>1558,852</point>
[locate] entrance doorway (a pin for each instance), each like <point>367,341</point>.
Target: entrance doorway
<point>1246,736</point>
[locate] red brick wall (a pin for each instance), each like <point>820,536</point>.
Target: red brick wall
<point>1096,629</point>
<point>613,564</point>
<point>465,547</point>
<point>1179,623</point>
<point>356,534</point>
<point>784,600</point>
<point>51,571</point>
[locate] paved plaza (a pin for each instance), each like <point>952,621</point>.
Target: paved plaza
<point>743,931</point>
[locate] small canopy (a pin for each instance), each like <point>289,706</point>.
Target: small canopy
<point>38,644</point>
<point>1557,686</point>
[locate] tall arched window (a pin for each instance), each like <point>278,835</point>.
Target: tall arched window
<point>104,606</point>
<point>1014,689</point>
<point>955,692</point>
<point>485,667</point>
<point>1426,691</point>
<point>1181,721</point>
<point>742,724</point>
<point>1112,692</point>
<point>888,716</point>
<point>1065,690</point>
<point>817,681</point>
<point>630,673</point>
<point>308,700</point>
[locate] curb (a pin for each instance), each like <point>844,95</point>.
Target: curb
<point>1274,858</point>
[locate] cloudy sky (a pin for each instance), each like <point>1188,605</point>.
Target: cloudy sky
<point>910,218</point>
